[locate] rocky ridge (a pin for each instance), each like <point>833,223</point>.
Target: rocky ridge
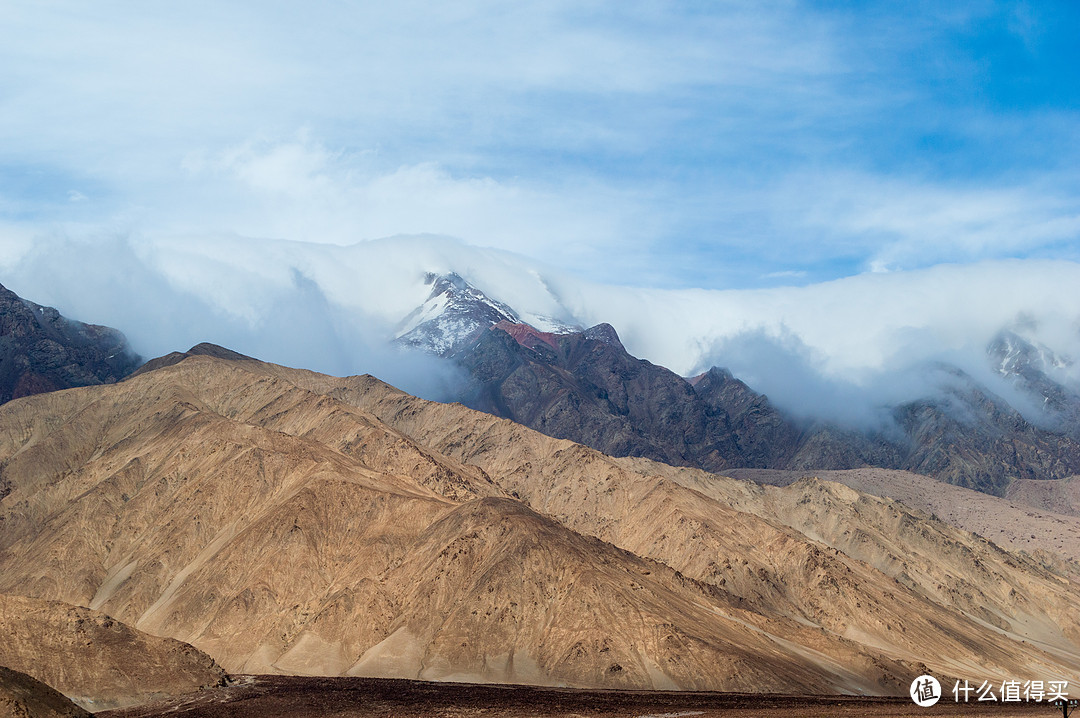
<point>584,386</point>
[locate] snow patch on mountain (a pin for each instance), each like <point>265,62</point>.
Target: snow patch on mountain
<point>455,311</point>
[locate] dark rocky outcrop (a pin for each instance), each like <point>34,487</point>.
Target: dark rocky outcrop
<point>585,387</point>
<point>973,438</point>
<point>41,351</point>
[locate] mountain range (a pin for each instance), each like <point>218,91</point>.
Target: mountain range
<point>584,386</point>
<point>286,521</point>
<point>209,509</point>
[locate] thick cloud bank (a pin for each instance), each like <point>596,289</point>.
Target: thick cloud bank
<point>840,349</point>
<point>845,349</point>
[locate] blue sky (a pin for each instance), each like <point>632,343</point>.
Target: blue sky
<point>714,145</point>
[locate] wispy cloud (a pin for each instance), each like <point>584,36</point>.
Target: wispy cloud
<point>905,223</point>
<point>546,128</point>
<point>300,189</point>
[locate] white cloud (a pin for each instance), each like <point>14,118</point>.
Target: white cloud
<point>870,323</point>
<point>840,347</point>
<point>526,127</point>
<point>628,138</point>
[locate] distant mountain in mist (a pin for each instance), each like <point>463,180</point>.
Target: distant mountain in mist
<point>41,351</point>
<point>584,386</point>
<point>835,348</point>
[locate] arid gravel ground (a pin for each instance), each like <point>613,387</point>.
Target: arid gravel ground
<point>295,696</point>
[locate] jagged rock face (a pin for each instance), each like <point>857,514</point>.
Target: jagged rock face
<point>966,436</point>
<point>283,520</point>
<point>588,389</point>
<point>95,660</point>
<point>763,435</point>
<point>40,350</point>
<point>1027,367</point>
<point>978,441</point>
<point>585,387</point>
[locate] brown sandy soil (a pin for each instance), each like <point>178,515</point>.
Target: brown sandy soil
<point>23,696</point>
<point>274,696</point>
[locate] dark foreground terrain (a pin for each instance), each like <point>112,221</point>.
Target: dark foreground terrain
<point>273,696</point>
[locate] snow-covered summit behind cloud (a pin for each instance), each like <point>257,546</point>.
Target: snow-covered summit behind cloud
<point>827,348</point>
<point>455,311</point>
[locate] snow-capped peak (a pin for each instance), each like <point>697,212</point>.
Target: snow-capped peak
<point>453,313</point>
<point>456,311</point>
<point>1015,356</point>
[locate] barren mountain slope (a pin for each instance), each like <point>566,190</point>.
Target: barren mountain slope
<point>1010,522</point>
<point>1061,495</point>
<point>970,588</point>
<point>280,529</point>
<point>23,696</point>
<point>142,500</point>
<point>584,386</point>
<point>95,660</point>
<point>1028,598</point>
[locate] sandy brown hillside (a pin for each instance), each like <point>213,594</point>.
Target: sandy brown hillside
<point>1023,521</point>
<point>177,501</point>
<point>95,660</point>
<point>1060,496</point>
<point>286,521</point>
<point>660,511</point>
<point>22,696</point>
